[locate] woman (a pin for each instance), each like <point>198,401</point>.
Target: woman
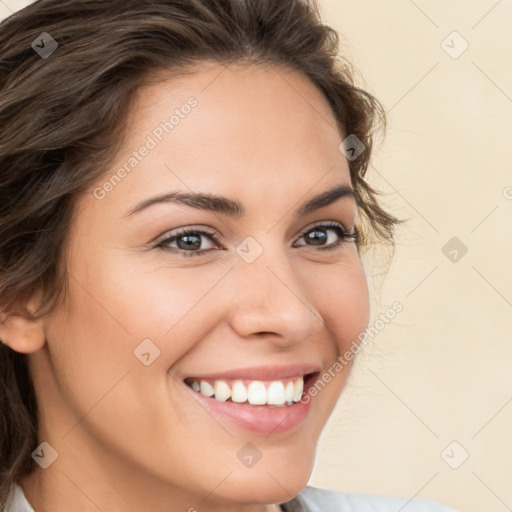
<point>184,213</point>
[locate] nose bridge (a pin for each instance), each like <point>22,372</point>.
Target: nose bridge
<point>269,299</point>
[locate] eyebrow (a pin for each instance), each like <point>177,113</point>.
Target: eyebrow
<point>233,208</point>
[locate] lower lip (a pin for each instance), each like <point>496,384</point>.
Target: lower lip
<point>259,418</point>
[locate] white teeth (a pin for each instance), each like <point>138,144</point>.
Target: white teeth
<point>298,388</point>
<point>257,393</point>
<point>239,393</point>
<point>206,388</point>
<point>288,393</point>
<point>278,393</point>
<point>222,391</point>
<point>275,393</point>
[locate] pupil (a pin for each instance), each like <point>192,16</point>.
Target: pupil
<point>317,236</point>
<point>191,241</point>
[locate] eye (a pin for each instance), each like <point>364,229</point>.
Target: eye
<point>188,241</point>
<point>319,236</point>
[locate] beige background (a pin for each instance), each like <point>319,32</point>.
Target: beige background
<point>441,371</point>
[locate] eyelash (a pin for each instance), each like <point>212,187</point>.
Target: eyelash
<point>344,236</point>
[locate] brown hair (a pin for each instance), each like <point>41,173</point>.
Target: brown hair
<point>62,121</point>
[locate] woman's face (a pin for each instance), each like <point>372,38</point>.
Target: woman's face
<point>251,294</point>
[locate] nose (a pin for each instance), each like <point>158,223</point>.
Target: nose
<point>269,300</point>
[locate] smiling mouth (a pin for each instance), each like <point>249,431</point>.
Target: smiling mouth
<point>262,393</point>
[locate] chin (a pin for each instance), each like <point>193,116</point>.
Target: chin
<point>273,482</point>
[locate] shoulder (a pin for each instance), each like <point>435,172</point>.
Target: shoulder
<point>17,501</point>
<point>314,499</point>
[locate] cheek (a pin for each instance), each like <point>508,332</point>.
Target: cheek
<point>112,308</point>
<point>342,300</point>
<point>169,304</point>
<point>119,303</point>
<point>132,302</point>
<point>182,305</point>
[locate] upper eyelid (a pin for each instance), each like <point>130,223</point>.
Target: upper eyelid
<point>325,223</point>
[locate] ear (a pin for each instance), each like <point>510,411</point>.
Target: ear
<point>20,330</point>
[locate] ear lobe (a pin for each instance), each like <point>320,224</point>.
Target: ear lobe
<point>21,332</point>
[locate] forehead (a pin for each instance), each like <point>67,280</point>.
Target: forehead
<point>244,130</point>
<point>248,89</point>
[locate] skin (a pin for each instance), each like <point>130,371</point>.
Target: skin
<point>131,437</point>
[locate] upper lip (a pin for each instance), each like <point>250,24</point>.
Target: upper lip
<point>260,372</point>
